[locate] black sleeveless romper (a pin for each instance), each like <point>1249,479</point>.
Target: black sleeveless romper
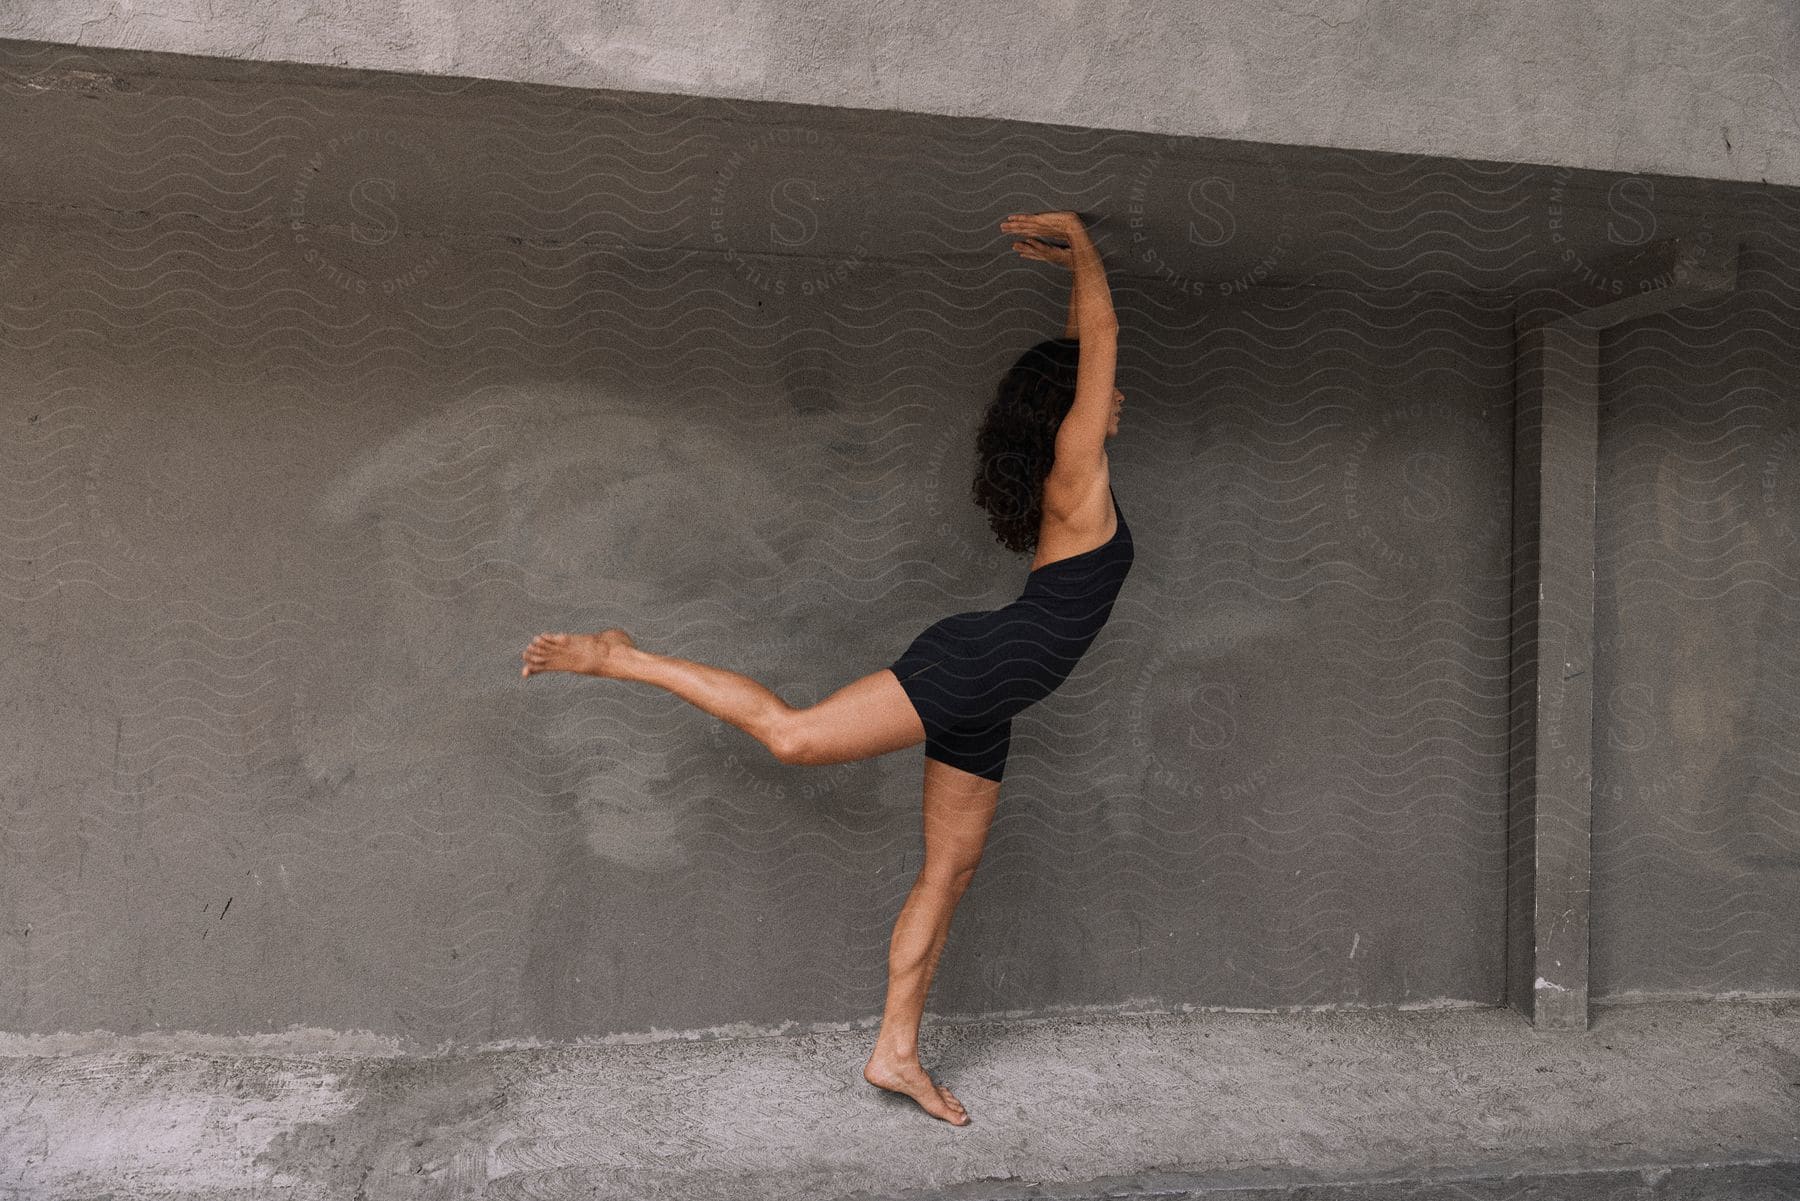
<point>967,675</point>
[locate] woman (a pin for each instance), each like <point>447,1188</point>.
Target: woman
<point>1044,480</point>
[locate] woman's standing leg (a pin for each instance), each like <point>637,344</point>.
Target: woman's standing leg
<point>959,807</point>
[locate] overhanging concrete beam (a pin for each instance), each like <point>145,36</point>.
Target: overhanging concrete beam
<point>1610,85</point>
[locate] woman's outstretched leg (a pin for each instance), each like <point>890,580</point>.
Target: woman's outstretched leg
<point>867,717</point>
<point>959,807</point>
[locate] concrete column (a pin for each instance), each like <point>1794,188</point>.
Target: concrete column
<point>1550,789</point>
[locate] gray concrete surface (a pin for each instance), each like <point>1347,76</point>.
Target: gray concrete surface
<point>1657,1101</point>
<point>322,396</point>
<point>1656,86</point>
<point>1557,396</point>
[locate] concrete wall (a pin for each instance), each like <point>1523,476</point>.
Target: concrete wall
<point>1655,86</point>
<point>323,397</point>
<point>1697,621</point>
<point>277,766</point>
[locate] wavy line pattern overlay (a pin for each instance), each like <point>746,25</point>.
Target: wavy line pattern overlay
<point>321,400</point>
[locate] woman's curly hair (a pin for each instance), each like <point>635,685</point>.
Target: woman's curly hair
<point>1016,443</point>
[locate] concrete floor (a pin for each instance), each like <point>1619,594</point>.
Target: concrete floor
<point>1461,1103</point>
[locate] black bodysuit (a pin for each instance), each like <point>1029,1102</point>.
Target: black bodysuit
<point>967,675</point>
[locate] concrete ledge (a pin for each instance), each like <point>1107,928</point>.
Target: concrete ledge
<point>1662,1100</point>
<point>1617,85</point>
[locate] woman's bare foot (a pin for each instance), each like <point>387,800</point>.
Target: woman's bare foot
<point>908,1076</point>
<point>587,654</point>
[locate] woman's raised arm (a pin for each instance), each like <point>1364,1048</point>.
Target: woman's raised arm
<point>1081,440</point>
